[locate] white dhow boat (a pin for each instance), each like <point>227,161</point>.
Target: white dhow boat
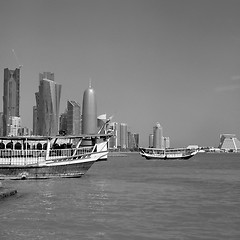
<point>168,153</point>
<point>50,157</point>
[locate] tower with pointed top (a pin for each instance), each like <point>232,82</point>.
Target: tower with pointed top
<point>89,111</point>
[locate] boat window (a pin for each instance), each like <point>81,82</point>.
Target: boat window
<point>2,145</point>
<point>55,146</point>
<point>45,146</point>
<point>18,145</point>
<point>9,145</point>
<point>39,146</point>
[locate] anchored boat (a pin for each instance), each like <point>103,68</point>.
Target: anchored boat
<point>50,157</point>
<point>167,154</point>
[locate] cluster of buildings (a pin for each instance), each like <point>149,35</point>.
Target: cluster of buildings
<point>228,142</point>
<point>47,120</point>
<point>157,140</point>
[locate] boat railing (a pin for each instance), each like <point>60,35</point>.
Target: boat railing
<point>29,156</point>
<point>64,153</point>
<point>21,157</point>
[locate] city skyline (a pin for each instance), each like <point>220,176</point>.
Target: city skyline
<point>173,62</point>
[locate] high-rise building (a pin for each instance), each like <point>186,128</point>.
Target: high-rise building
<point>136,140</point>
<point>14,126</point>
<point>166,142</point>
<point>73,118</point>
<point>48,103</point>
<point>34,120</point>
<point>123,136</point>
<point>158,136</point>
<point>133,140</point>
<point>11,96</point>
<point>1,124</point>
<point>113,143</point>
<point>63,123</point>
<point>89,112</point>
<point>150,140</point>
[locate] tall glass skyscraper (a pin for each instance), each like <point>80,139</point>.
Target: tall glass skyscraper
<point>73,118</point>
<point>47,104</point>
<point>11,96</point>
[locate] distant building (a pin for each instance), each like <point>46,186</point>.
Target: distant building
<point>123,136</point>
<point>63,123</point>
<point>151,140</point>
<point>24,131</point>
<point>73,118</point>
<point>48,104</point>
<point>14,126</point>
<point>113,142</point>
<point>133,140</point>
<point>89,111</point>
<point>229,142</point>
<point>34,120</point>
<point>166,142</point>
<point>1,124</point>
<point>136,140</point>
<point>158,136</point>
<point>11,97</point>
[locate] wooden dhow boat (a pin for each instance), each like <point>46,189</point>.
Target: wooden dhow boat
<point>49,157</point>
<point>167,154</point>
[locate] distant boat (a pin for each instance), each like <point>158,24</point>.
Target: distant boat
<point>50,157</point>
<point>168,153</point>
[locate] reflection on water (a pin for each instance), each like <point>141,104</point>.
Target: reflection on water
<point>130,198</point>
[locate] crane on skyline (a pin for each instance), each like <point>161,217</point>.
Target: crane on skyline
<point>15,55</point>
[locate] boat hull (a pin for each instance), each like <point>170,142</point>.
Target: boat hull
<point>44,172</point>
<point>171,154</point>
<point>168,157</point>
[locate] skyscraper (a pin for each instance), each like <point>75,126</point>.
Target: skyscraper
<point>1,124</point>
<point>48,103</point>
<point>113,143</point>
<point>63,123</point>
<point>35,120</point>
<point>158,136</point>
<point>89,112</point>
<point>11,96</point>
<point>150,140</point>
<point>123,136</point>
<point>136,139</point>
<point>73,118</point>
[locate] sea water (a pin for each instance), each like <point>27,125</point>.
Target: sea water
<point>129,197</point>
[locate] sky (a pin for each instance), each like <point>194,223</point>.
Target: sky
<point>176,62</point>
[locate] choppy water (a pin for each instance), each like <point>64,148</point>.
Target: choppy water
<point>130,198</point>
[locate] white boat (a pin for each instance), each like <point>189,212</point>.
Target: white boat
<point>50,157</point>
<point>168,153</point>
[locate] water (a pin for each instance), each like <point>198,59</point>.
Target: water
<point>130,198</point>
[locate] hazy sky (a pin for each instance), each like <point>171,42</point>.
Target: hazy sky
<point>176,62</point>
